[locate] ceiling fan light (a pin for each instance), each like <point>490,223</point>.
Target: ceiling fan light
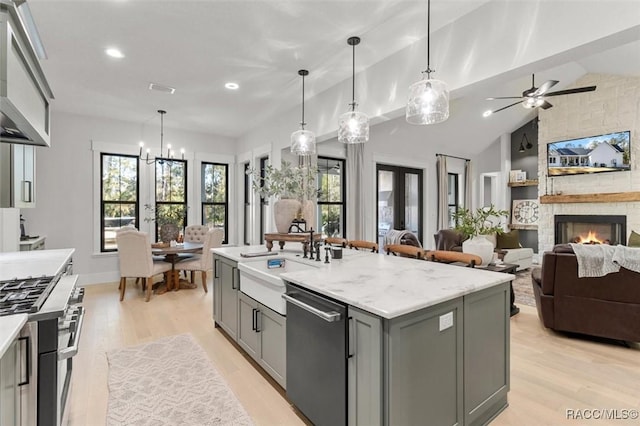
<point>539,101</point>
<point>529,103</point>
<point>353,127</point>
<point>428,102</point>
<point>303,142</point>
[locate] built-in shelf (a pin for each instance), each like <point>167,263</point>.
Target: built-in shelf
<point>528,182</point>
<point>608,197</point>
<point>524,227</point>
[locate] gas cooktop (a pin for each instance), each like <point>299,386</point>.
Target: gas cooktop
<point>24,295</point>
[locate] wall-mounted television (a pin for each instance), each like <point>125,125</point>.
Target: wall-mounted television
<point>592,154</point>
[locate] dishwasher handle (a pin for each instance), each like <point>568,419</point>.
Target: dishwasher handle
<point>331,316</point>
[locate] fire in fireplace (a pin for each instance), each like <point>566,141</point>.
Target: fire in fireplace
<point>590,229</point>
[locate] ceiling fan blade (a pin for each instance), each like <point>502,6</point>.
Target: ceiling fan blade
<point>505,97</point>
<point>570,91</point>
<point>508,106</point>
<point>546,105</point>
<point>544,87</point>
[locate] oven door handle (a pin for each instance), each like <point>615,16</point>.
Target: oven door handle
<point>72,349</point>
<point>327,316</point>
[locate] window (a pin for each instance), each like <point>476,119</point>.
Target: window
<point>452,197</point>
<point>263,201</point>
<point>119,191</point>
<point>171,193</point>
<point>215,201</point>
<point>247,205</point>
<point>331,205</point>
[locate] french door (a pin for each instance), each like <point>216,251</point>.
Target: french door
<point>399,200</point>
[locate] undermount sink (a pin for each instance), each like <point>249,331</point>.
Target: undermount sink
<point>264,284</point>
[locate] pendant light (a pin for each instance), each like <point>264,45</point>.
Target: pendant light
<point>428,98</point>
<point>353,126</point>
<point>170,153</point>
<point>303,142</point>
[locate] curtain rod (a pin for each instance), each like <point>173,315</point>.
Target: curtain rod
<point>453,156</point>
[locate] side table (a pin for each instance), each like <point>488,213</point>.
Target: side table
<point>507,268</point>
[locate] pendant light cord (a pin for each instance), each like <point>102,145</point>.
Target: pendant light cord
<point>353,81</point>
<point>302,123</point>
<point>428,70</point>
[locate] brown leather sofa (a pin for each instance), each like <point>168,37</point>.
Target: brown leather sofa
<point>607,306</point>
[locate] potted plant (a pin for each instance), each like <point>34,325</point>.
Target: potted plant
<point>475,225</point>
<point>293,186</point>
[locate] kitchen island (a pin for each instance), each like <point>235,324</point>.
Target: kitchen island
<point>428,342</point>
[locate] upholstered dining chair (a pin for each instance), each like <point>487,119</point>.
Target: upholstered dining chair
<point>405,251</point>
<point>203,263</point>
<point>445,256</point>
<point>134,256</point>
<point>195,233</point>
<point>361,244</point>
<point>336,241</point>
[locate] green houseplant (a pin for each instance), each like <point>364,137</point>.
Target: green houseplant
<point>293,186</point>
<point>475,224</point>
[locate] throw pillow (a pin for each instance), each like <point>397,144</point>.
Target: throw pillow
<point>634,239</point>
<point>508,240</point>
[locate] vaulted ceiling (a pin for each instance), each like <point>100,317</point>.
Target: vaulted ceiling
<point>198,46</point>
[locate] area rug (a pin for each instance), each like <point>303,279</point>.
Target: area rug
<point>169,382</point>
<point>522,288</point>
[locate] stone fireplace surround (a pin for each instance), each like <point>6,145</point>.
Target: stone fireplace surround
<point>613,106</point>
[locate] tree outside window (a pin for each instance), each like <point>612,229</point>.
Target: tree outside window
<point>331,206</point>
<point>215,204</point>
<point>118,196</point>
<point>171,193</point>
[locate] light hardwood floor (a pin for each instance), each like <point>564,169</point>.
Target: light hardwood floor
<point>550,372</point>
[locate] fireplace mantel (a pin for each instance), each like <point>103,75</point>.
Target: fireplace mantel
<point>608,197</point>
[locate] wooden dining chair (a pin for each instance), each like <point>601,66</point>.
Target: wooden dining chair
<point>203,263</point>
<point>361,244</point>
<point>445,256</point>
<point>135,260</point>
<point>336,241</point>
<point>405,251</point>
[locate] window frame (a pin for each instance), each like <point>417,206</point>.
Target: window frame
<point>155,192</point>
<point>456,195</point>
<point>343,193</point>
<point>264,201</point>
<point>102,201</point>
<point>203,203</point>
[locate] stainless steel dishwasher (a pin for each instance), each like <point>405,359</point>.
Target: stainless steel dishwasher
<point>317,356</point>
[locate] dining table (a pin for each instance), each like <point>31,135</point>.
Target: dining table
<point>173,255</point>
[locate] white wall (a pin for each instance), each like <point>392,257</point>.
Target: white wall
<point>611,108</point>
<point>65,188</point>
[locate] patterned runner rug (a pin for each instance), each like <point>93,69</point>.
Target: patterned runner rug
<point>522,288</point>
<point>169,382</point>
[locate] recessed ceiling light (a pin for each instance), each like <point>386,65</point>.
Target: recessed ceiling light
<point>114,53</point>
<point>232,86</point>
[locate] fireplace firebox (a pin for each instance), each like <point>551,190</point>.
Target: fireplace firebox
<point>590,229</point>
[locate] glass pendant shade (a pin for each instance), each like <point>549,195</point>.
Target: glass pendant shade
<point>353,127</point>
<point>303,142</point>
<point>428,102</point>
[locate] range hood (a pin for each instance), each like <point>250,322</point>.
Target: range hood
<point>24,91</point>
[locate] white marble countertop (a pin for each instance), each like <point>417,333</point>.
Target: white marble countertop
<point>9,328</point>
<point>383,285</point>
<point>22,264</point>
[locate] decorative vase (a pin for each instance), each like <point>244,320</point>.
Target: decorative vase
<point>479,246</point>
<point>309,214</point>
<point>284,211</point>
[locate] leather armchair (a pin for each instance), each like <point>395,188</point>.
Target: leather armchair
<point>607,306</point>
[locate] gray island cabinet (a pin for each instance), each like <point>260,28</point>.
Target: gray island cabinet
<point>428,342</point>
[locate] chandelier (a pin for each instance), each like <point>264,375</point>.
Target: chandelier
<point>170,153</point>
<point>303,142</point>
<point>353,126</point>
<point>428,98</point>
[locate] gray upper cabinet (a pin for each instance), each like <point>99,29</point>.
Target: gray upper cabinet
<point>17,176</point>
<point>25,94</point>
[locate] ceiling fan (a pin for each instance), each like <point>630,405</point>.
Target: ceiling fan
<point>535,96</point>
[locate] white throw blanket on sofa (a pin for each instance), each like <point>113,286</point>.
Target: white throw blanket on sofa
<point>394,236</point>
<point>598,260</point>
